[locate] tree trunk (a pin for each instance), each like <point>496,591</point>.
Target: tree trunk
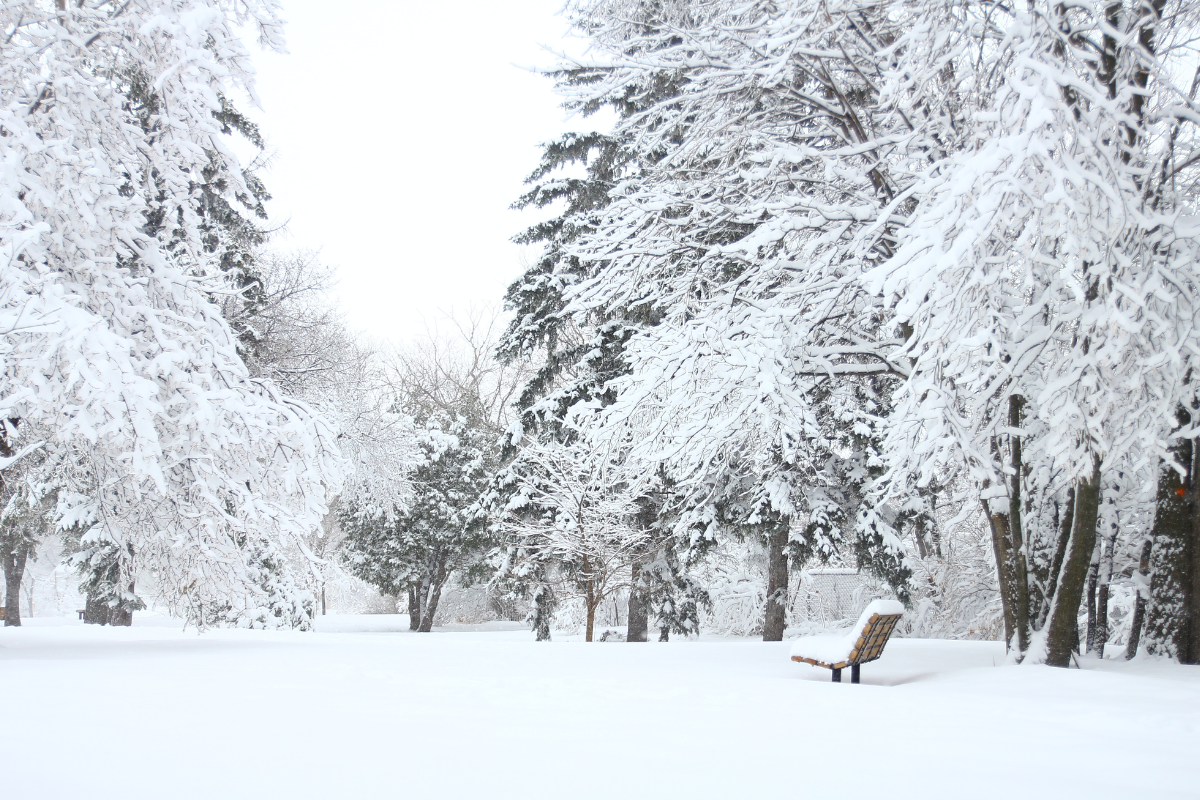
<point>1102,591</point>
<point>590,630</point>
<point>414,609</point>
<point>543,604</point>
<point>639,615</point>
<point>322,600</point>
<point>1170,608</point>
<point>435,597</point>
<point>919,535</point>
<point>1060,552</point>
<point>777,583</point>
<point>1093,574</point>
<point>1142,584</point>
<point>998,523</point>
<point>1016,545</point>
<point>121,615</point>
<point>15,555</point>
<point>422,590</point>
<point>1063,633</point>
<point>1101,618</point>
<point>96,611</point>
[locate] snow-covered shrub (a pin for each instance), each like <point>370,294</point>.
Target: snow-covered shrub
<point>471,605</point>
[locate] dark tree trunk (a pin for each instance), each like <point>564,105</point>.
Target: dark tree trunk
<point>322,600</point>
<point>638,629</point>
<point>777,583</point>
<point>919,535</point>
<point>1060,552</point>
<point>414,609</point>
<point>121,615</point>
<point>1101,618</point>
<point>1102,592</point>
<point>543,604</point>
<point>998,523</point>
<point>435,596</point>
<point>1063,633</point>
<point>589,631</point>
<point>1170,608</point>
<point>1142,583</point>
<point>1016,544</point>
<point>1093,574</point>
<point>96,611</point>
<point>15,555</point>
<point>664,633</point>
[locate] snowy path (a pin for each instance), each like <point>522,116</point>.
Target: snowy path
<point>152,712</point>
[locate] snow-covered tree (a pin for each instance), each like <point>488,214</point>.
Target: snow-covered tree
<point>171,450</point>
<point>568,527</point>
<point>939,244</point>
<point>440,529</point>
<point>459,398</point>
<point>295,336</point>
<point>717,268</point>
<point>1046,275</point>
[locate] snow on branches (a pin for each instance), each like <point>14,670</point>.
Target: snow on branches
<point>944,243</point>
<point>567,522</point>
<point>109,119</point>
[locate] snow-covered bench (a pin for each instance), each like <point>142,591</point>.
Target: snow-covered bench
<point>862,643</point>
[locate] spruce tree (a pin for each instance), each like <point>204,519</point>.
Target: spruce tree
<point>441,531</point>
<point>578,356</point>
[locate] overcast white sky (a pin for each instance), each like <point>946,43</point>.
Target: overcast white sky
<point>402,132</point>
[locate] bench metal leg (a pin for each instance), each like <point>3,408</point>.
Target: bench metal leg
<point>837,676</point>
<point>854,673</point>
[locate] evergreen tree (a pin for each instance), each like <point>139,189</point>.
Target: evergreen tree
<point>578,355</point>
<point>440,530</point>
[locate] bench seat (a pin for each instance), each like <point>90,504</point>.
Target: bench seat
<point>860,644</point>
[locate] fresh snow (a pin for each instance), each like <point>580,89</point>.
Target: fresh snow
<point>365,709</point>
<point>832,648</point>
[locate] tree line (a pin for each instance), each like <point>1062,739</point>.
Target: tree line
<point>841,284</point>
<point>838,268</point>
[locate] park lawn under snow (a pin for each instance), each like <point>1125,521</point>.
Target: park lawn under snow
<point>366,709</point>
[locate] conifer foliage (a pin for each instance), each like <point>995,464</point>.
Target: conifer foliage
<point>438,530</point>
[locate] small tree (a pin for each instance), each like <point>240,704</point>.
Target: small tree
<point>569,525</point>
<point>441,531</point>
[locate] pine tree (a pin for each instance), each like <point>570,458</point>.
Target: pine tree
<point>578,356</point>
<point>439,531</point>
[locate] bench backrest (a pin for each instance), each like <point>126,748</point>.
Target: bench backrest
<point>874,636</point>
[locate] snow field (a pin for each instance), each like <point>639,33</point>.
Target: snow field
<point>156,712</point>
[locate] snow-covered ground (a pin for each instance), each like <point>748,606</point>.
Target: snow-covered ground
<point>365,709</point>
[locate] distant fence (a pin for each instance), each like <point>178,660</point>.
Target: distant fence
<point>830,595</point>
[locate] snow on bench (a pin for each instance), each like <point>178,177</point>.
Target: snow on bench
<point>862,643</point>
